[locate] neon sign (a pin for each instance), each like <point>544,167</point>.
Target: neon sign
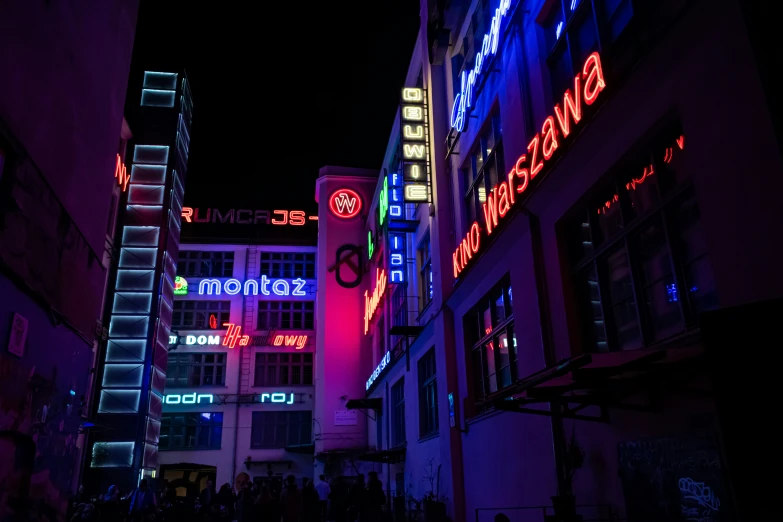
<point>385,360</point>
<point>208,398</point>
<point>383,202</point>
<point>297,341</point>
<point>397,255</point>
<point>393,188</point>
<point>371,301</point>
<point>280,287</point>
<point>180,286</point>
<point>415,146</point>
<point>540,150</point>
<point>233,335</point>
<point>243,216</point>
<point>469,78</point>
<point>121,173</point>
<point>345,203</point>
<point>370,244</point>
<point>188,398</point>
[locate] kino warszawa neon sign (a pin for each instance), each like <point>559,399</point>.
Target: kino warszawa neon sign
<point>281,287</point>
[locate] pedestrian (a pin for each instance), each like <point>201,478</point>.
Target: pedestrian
<point>142,503</point>
<point>323,490</point>
<point>291,501</point>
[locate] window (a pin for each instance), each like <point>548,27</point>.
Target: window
<point>278,429</point>
<point>188,370</point>
<point>190,431</point>
<point>424,256</point>
<point>193,263</point>
<point>285,315</point>
<point>274,369</point>
<point>195,315</point>
<point>576,28</point>
<point>428,395</point>
<point>380,334</point>
<point>640,265</point>
<point>483,170</point>
<point>288,265</point>
<point>398,413</point>
<point>489,331</point>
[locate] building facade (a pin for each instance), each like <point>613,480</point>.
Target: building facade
<point>126,411</point>
<point>240,381</point>
<point>61,134</point>
<point>549,227</point>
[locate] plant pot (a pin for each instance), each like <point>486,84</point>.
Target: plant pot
<point>565,507</point>
<point>434,511</point>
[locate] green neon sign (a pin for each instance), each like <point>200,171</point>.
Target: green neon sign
<point>370,245</point>
<point>383,202</point>
<point>180,286</point>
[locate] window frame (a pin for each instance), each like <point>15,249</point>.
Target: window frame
<point>187,360</point>
<point>221,309</point>
<point>167,427</point>
<point>424,260</point>
<point>428,394</point>
<point>265,420</point>
<point>267,307</point>
<point>472,176</point>
<point>263,368</point>
<point>285,265</point>
<point>482,339</point>
<point>225,258</point>
<point>397,417</point>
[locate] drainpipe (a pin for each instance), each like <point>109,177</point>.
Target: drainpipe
<point>550,358</point>
<point>239,377</point>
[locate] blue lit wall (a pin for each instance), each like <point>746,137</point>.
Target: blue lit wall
<point>134,361</point>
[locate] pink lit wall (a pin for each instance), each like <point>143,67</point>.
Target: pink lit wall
<point>339,374</point>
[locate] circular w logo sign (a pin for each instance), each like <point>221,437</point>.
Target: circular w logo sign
<point>345,203</point>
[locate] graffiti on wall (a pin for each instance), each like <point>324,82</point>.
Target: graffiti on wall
<point>41,245</point>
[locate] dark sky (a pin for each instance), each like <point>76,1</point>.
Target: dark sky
<point>280,92</point>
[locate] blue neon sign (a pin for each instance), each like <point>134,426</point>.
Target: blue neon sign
<point>468,79</point>
<point>397,271</point>
<point>395,196</point>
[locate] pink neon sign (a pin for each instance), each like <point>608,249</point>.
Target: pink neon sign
<point>371,301</point>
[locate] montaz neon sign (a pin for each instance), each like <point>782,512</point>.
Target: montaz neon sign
<point>378,369</point>
<point>281,287</point>
<point>371,301</point>
<point>469,78</point>
<point>208,398</point>
<point>540,150</point>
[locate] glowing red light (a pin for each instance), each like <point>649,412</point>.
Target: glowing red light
<point>588,84</point>
<point>121,173</point>
<point>233,335</point>
<point>212,321</point>
<point>371,301</point>
<point>345,203</point>
<point>291,340</point>
<point>187,213</point>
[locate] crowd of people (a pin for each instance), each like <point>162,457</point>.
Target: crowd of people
<point>339,500</point>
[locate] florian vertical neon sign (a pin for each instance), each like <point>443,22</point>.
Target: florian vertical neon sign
<point>397,255</point>
<point>371,301</point>
<point>588,84</point>
<point>471,77</point>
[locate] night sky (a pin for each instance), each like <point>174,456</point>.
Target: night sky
<point>280,92</point>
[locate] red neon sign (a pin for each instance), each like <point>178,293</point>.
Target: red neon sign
<point>345,203</point>
<point>121,173</point>
<point>212,321</point>
<point>233,335</point>
<point>371,301</point>
<point>241,216</point>
<point>291,340</point>
<point>540,149</point>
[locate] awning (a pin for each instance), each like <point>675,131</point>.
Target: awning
<point>306,449</point>
<point>598,382</point>
<point>389,456</point>
<point>373,403</point>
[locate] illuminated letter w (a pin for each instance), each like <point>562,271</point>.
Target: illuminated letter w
<point>344,203</point>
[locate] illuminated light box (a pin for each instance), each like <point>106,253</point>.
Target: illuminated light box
<point>345,203</point>
<point>415,146</point>
<point>471,76</point>
<point>278,287</point>
<point>180,286</point>
<point>378,370</point>
<point>394,193</point>
<point>521,179</point>
<point>416,192</point>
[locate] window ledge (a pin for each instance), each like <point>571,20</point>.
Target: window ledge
<point>483,416</point>
<point>429,436</point>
